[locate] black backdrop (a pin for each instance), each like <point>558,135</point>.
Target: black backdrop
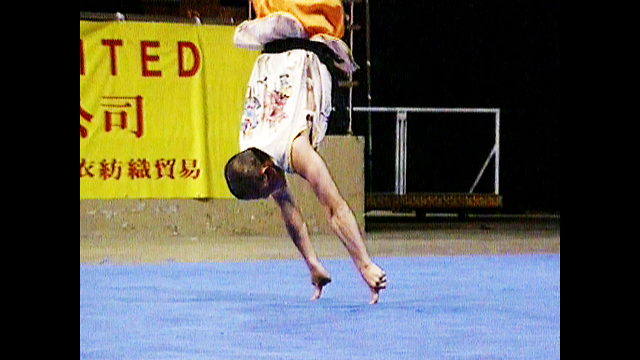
<point>447,53</point>
<point>485,54</point>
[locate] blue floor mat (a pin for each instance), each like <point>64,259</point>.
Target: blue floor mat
<point>467,307</point>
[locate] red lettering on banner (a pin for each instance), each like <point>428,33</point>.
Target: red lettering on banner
<point>85,168</point>
<point>87,117</point>
<point>182,72</point>
<point>190,169</point>
<point>119,106</point>
<point>165,168</point>
<point>112,53</point>
<point>111,170</point>
<point>139,169</point>
<point>81,57</point>
<point>118,111</point>
<point>146,58</point>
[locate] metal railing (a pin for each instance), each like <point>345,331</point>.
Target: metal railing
<point>401,142</point>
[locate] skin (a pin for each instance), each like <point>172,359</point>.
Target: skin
<point>308,164</point>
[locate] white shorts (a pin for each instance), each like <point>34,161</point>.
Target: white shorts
<point>287,94</point>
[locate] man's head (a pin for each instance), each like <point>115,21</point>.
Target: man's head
<point>252,174</point>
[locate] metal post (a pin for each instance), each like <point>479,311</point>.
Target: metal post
<point>351,30</point>
<point>368,66</point>
<point>401,152</point>
<point>484,167</point>
<point>496,184</point>
<point>368,50</point>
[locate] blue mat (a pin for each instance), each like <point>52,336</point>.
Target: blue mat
<point>470,307</point>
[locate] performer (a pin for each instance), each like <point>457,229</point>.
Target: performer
<point>286,111</point>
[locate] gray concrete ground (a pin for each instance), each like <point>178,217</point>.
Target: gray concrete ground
<point>387,234</point>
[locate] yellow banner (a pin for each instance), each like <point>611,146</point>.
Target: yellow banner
<point>160,108</point>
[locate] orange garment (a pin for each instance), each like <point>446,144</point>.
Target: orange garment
<point>316,16</point>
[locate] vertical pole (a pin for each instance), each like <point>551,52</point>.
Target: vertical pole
<point>398,151</point>
<point>401,152</point>
<point>370,151</point>
<point>496,185</point>
<point>351,30</point>
<point>368,54</point>
<point>368,66</point>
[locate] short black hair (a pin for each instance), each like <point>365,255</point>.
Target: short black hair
<point>243,173</point>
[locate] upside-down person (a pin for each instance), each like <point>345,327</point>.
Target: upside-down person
<point>286,112</point>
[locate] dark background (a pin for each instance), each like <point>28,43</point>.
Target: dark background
<point>447,53</point>
<point>492,54</point>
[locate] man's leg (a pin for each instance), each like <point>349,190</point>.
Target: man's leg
<point>310,165</point>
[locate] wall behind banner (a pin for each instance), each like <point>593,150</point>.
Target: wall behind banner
<point>160,106</point>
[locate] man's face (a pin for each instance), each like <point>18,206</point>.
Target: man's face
<point>273,179</point>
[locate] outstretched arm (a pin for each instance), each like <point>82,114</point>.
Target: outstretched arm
<point>297,230</point>
<point>308,164</point>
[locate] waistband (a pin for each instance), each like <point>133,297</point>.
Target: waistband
<point>324,52</point>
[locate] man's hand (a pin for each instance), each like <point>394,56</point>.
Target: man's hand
<point>376,278</point>
<point>319,281</point>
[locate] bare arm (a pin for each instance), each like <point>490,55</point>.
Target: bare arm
<point>298,232</point>
<point>308,164</point>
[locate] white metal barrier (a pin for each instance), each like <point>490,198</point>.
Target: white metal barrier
<point>401,141</point>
